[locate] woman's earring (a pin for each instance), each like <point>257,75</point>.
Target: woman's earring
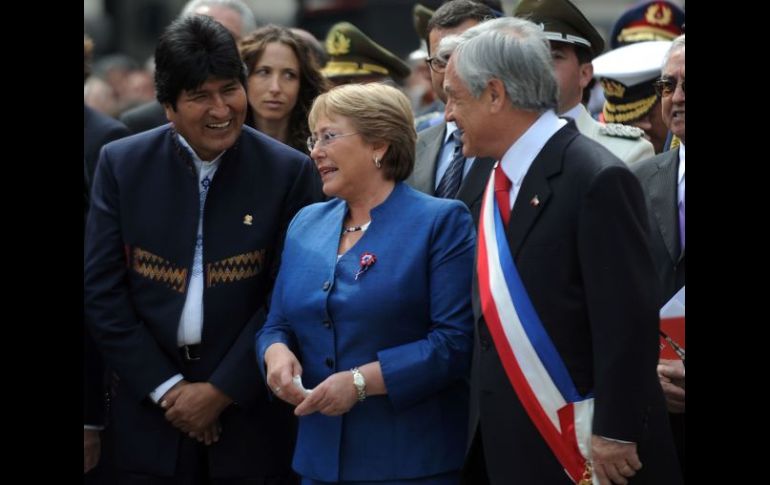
<point>377,162</point>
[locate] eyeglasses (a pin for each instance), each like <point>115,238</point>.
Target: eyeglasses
<point>666,86</point>
<point>325,139</point>
<point>436,64</point>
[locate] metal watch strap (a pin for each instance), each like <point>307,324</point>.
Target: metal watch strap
<point>359,382</point>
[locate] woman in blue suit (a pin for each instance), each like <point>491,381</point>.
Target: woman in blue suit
<point>372,306</point>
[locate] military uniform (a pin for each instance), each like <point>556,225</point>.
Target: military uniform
<point>355,58</point>
<point>563,22</point>
<point>628,75</point>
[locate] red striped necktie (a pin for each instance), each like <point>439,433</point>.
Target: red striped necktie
<point>503,193</point>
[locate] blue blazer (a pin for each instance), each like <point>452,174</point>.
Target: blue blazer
<point>411,311</point>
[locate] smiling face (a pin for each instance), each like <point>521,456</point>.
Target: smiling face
<point>344,160</point>
<point>274,83</point>
<point>210,117</point>
<point>466,111</point>
<point>673,105</point>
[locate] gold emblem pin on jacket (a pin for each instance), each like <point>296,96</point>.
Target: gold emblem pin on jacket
<point>247,219</point>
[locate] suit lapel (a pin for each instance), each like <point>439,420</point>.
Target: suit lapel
<point>663,202</point>
<point>428,147</point>
<point>472,187</point>
<point>535,189</point>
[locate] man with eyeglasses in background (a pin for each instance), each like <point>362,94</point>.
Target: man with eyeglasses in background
<point>663,181</point>
<point>440,168</point>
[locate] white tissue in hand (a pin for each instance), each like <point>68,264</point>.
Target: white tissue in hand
<point>298,382</point>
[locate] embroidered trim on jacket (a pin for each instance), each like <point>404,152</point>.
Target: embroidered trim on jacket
<point>154,267</point>
<point>236,268</point>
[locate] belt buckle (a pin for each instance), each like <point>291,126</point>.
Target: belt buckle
<point>187,355</point>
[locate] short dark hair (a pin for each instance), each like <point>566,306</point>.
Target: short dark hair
<point>190,51</point>
<point>453,13</point>
<point>311,81</point>
<point>379,113</point>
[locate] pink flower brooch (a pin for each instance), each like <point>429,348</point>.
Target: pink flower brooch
<point>367,260</point>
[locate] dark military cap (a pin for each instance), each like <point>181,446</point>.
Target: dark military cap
<point>421,15</point>
<point>353,54</point>
<point>649,21</point>
<point>562,22</point>
<point>628,76</point>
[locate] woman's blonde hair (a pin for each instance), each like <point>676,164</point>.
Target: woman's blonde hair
<point>379,113</point>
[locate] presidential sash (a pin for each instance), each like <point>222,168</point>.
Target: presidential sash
<point>531,361</point>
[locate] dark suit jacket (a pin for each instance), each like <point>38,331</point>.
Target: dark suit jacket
<point>98,130</point>
<point>584,259</point>
<point>94,387</point>
<point>659,178</point>
<point>423,177</point>
<point>144,117</point>
<point>140,238</point>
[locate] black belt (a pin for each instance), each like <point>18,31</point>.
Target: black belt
<point>190,352</point>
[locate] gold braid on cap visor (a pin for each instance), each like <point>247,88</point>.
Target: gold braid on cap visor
<point>623,113</point>
<point>337,68</point>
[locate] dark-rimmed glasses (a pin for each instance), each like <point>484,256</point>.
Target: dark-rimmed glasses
<point>325,139</point>
<point>665,86</point>
<point>436,64</point>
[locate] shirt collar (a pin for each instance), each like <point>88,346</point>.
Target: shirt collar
<point>195,157</point>
<point>451,127</point>
<point>522,153</point>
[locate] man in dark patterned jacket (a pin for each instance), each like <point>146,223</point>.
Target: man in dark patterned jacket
<point>186,224</point>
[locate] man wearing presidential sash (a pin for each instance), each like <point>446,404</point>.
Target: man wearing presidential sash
<point>563,386</point>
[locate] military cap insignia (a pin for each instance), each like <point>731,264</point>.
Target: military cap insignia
<point>621,131</point>
<point>337,44</point>
<point>658,14</point>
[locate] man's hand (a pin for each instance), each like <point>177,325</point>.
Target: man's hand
<point>92,449</point>
<point>195,407</point>
<point>613,462</point>
<point>209,435</point>
<point>334,396</point>
<point>282,365</point>
<point>671,374</point>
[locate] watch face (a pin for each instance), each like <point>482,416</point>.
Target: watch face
<point>358,379</point>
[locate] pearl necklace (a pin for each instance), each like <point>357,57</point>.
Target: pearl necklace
<point>362,227</point>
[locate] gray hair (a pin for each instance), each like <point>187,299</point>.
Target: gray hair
<point>676,45</point>
<point>248,20</point>
<point>511,49</point>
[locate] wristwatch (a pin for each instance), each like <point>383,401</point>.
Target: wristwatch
<point>359,382</point>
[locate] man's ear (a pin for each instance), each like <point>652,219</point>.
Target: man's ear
<point>586,74</point>
<point>170,111</point>
<point>497,95</point>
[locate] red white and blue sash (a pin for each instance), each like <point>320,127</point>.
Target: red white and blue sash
<point>531,361</point>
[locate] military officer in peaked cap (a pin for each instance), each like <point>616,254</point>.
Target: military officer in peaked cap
<point>659,20</point>
<point>574,42</point>
<point>355,58</point>
<point>627,75</point>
